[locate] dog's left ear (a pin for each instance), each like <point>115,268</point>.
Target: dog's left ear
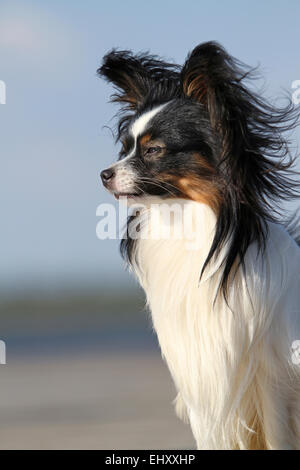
<point>212,77</point>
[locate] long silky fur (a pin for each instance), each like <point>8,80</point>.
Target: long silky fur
<point>225,316</point>
<point>230,361</point>
<point>255,164</point>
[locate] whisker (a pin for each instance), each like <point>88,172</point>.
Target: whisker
<point>155,183</point>
<point>164,182</point>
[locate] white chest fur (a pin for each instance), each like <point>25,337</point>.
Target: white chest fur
<point>195,339</point>
<point>211,351</point>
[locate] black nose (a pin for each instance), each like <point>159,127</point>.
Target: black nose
<point>106,175</point>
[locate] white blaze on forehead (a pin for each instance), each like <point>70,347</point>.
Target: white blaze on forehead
<point>125,175</point>
<point>140,125</point>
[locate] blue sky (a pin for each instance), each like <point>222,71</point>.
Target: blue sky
<point>53,143</point>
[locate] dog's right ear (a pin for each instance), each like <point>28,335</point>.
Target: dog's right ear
<point>134,76</point>
<point>129,76</point>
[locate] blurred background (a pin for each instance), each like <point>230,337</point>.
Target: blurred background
<point>83,366</point>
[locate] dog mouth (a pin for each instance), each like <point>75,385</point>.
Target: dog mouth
<point>117,195</point>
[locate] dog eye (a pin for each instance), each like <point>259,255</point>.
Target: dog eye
<point>152,150</point>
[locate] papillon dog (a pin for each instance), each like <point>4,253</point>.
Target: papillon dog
<point>226,311</point>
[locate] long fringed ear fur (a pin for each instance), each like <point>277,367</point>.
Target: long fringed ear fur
<point>139,79</point>
<point>213,78</point>
<point>128,75</point>
<point>135,76</point>
<point>252,150</point>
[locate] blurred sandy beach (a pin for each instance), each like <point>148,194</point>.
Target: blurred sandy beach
<point>91,401</point>
<point>84,371</point>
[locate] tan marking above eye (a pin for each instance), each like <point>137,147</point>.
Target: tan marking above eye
<point>145,139</point>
